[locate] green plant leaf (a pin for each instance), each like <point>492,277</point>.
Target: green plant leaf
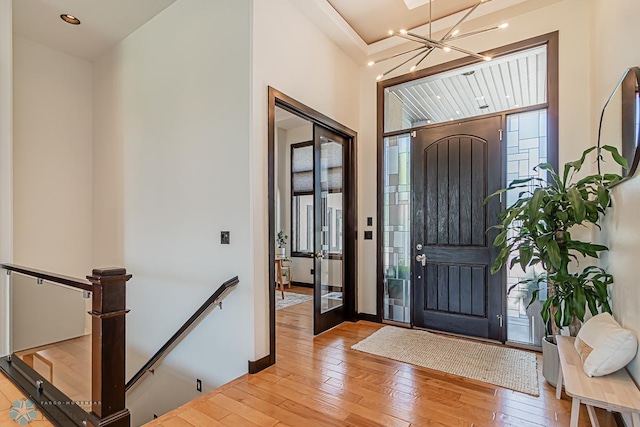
<point>616,156</point>
<point>575,198</point>
<point>558,317</point>
<point>500,239</point>
<point>526,253</point>
<point>579,302</point>
<point>553,250</point>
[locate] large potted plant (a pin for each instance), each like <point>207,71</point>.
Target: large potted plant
<point>536,230</point>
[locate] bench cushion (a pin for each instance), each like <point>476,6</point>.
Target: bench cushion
<point>604,346</point>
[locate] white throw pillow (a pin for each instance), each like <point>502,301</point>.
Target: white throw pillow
<point>604,346</point>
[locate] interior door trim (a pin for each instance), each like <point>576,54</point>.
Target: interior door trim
<point>277,98</point>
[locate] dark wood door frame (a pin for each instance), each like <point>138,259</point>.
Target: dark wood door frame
<point>551,40</point>
<point>350,258</point>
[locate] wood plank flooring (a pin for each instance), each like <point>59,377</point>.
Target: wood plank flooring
<point>322,382</point>
<point>8,394</point>
<point>67,365</point>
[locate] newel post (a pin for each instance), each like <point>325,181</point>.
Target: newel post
<point>108,407</point>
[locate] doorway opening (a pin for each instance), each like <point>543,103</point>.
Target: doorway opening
<point>312,220</point>
<point>449,136</point>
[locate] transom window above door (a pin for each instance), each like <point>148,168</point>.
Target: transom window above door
<point>506,83</point>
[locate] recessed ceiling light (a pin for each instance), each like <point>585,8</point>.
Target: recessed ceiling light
<point>482,107</point>
<point>468,73</point>
<point>70,19</point>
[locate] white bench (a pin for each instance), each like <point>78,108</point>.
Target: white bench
<point>613,392</point>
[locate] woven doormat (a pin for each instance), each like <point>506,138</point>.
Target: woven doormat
<point>505,367</point>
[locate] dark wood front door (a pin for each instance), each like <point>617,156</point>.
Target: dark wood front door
<point>455,167</point>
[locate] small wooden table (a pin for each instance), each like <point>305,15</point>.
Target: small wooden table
<point>614,392</point>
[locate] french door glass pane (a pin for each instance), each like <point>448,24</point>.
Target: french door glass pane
<point>397,228</point>
<point>302,223</point>
<point>526,148</point>
<point>331,195</point>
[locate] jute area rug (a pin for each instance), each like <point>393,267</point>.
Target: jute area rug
<point>501,366</point>
<point>290,299</point>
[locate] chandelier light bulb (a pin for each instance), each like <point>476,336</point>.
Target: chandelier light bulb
<point>429,44</point>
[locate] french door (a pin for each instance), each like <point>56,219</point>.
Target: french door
<point>455,167</point>
<point>330,189</point>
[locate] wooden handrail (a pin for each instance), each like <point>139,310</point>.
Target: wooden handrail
<point>73,282</point>
<point>214,299</point>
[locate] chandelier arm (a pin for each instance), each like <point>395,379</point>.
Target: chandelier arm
<point>427,53</point>
<point>400,65</point>
<point>441,45</point>
<point>466,15</point>
<point>472,33</point>
<point>399,54</point>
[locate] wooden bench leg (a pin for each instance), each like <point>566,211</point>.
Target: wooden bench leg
<point>592,416</point>
<point>635,419</point>
<point>575,412</point>
<point>559,383</point>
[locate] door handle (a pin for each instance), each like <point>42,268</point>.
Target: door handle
<point>422,259</point>
<point>319,255</point>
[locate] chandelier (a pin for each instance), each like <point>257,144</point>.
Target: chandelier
<point>429,44</point>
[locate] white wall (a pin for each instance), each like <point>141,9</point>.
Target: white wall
<point>6,165</point>
<point>52,112</point>
<point>614,26</point>
<point>571,18</point>
<point>52,159</point>
<point>173,116</point>
<point>291,54</point>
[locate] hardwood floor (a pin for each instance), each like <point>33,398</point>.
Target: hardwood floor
<point>67,365</point>
<point>322,382</point>
<point>9,394</point>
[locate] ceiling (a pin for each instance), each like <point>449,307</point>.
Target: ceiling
<point>104,22</point>
<point>372,19</point>
<point>286,120</point>
<point>506,83</point>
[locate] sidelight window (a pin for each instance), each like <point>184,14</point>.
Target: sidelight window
<point>396,219</point>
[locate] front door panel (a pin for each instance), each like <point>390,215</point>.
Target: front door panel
<point>455,168</point>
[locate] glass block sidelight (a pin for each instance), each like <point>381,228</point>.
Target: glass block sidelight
<point>526,148</point>
<point>397,228</point>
